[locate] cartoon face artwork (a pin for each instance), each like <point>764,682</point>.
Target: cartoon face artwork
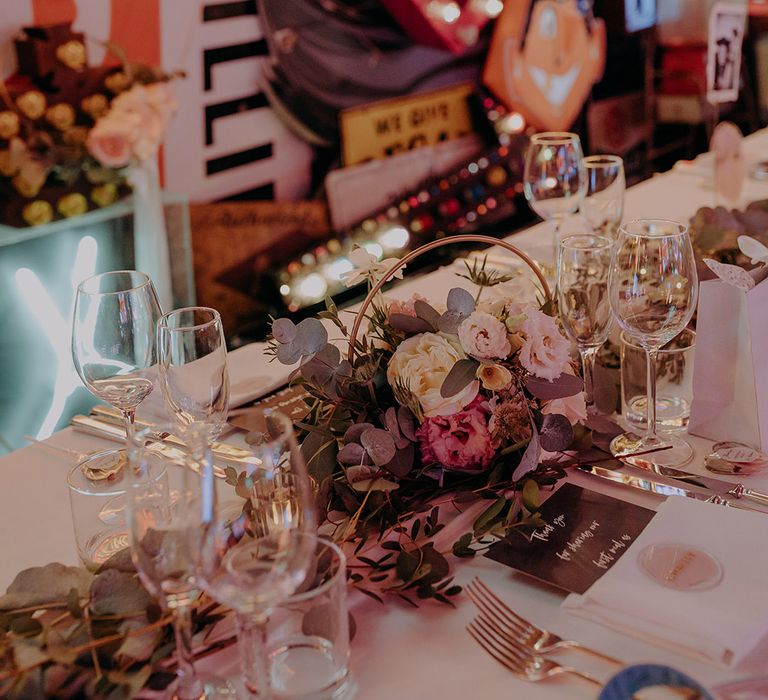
<point>547,74</point>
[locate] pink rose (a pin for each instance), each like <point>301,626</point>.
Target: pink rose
<point>574,408</point>
<point>153,105</point>
<point>407,307</point>
<point>484,337</point>
<point>546,352</point>
<point>112,138</point>
<point>459,441</point>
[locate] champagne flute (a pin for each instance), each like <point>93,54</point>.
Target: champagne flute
<point>253,552</point>
<point>602,205</point>
<point>582,295</point>
<point>554,176</point>
<point>653,287</point>
<point>193,368</point>
<point>163,527</point>
<point>113,338</point>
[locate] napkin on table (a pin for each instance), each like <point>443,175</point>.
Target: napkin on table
<point>723,623</point>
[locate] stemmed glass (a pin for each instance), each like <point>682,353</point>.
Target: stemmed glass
<point>253,554</point>
<point>163,525</point>
<point>582,295</point>
<point>653,287</point>
<point>113,338</point>
<point>554,176</point>
<point>193,368</point>
<point>602,205</point>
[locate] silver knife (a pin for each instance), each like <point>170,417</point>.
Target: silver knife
<point>91,426</point>
<point>658,487</point>
<point>717,486</point>
<point>111,417</point>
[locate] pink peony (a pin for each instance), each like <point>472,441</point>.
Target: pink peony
<point>484,337</point>
<point>546,352</point>
<point>112,138</point>
<point>459,441</point>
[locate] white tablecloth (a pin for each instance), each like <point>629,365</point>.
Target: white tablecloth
<point>400,652</point>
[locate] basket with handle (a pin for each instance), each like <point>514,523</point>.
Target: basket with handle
<point>461,238</point>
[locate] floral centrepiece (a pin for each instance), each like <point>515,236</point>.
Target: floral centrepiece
<point>471,404</point>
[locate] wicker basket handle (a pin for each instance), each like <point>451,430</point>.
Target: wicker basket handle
<point>462,238</point>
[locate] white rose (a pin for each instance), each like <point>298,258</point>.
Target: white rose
<point>423,362</point>
<point>574,408</point>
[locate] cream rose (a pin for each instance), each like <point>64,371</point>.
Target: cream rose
<point>483,336</point>
<point>494,377</point>
<point>423,362</point>
<point>546,353</point>
<point>574,408</point>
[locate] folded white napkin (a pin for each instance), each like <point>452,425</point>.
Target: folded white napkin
<point>252,375</point>
<point>722,623</point>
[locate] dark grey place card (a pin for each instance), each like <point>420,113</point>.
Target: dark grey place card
<point>289,401</point>
<point>581,535</point>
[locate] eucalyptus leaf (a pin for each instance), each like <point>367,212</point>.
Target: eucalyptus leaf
<point>427,313</point>
<point>460,300</point>
<point>284,330</point>
<point>288,354</point>
<point>351,454</point>
<point>449,322</point>
<point>117,593</point>
<point>402,463</point>
<point>311,336</point>
<point>378,484</point>
<point>406,422</point>
<point>531,496</point>
<point>409,324</point>
<point>555,433</point>
<point>389,419</point>
<point>355,431</point>
<point>40,585</point>
<point>530,459</point>
<point>137,647</point>
<point>559,388</point>
<point>379,445</point>
<point>461,375</point>
<point>320,456</point>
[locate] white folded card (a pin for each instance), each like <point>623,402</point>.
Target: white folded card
<point>695,581</point>
<point>252,375</point>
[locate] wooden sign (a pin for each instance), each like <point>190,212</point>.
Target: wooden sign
<point>381,129</point>
<point>235,243</point>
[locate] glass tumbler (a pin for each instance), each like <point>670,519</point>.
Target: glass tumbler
<point>97,487</point>
<point>308,635</point>
<point>674,382</point>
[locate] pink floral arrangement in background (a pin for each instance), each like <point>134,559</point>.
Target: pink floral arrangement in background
<point>134,127</point>
<point>470,400</point>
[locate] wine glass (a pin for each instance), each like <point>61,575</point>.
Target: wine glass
<point>193,368</point>
<point>554,176</point>
<point>253,553</point>
<point>653,287</point>
<point>602,205</point>
<point>163,530</point>
<point>113,338</point>
<point>582,295</point>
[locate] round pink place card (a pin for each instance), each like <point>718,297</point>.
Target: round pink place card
<point>681,567</point>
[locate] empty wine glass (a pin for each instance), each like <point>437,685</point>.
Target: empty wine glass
<point>163,524</point>
<point>602,205</point>
<point>253,552</point>
<point>653,287</point>
<point>193,367</point>
<point>554,176</point>
<point>582,294</point>
<point>113,338</point>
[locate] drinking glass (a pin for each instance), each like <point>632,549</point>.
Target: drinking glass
<point>602,205</point>
<point>652,288</point>
<point>582,295</point>
<point>309,632</point>
<point>554,176</point>
<point>113,338</point>
<point>164,519</point>
<point>253,552</point>
<point>193,368</point>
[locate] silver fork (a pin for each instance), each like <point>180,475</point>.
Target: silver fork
<point>518,629</point>
<point>518,658</point>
